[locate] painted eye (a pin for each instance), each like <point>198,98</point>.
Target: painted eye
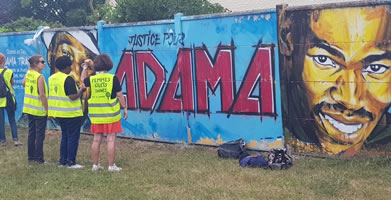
<point>375,69</point>
<point>324,61</point>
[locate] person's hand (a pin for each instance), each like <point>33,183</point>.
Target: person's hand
<point>82,88</point>
<point>126,113</point>
<point>50,118</point>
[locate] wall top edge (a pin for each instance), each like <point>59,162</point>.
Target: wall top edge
<point>17,33</point>
<point>71,28</point>
<point>193,17</point>
<point>143,23</point>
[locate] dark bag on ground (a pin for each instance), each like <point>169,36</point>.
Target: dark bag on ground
<point>254,161</point>
<point>279,159</point>
<point>232,149</point>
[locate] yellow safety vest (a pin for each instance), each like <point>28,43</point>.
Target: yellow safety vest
<point>32,102</point>
<point>103,109</point>
<point>60,105</point>
<point>7,79</point>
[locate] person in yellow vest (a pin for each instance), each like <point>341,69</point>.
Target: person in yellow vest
<point>104,109</point>
<point>36,107</point>
<point>65,106</point>
<point>9,81</point>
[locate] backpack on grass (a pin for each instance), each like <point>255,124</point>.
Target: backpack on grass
<point>232,149</point>
<point>279,159</point>
<point>253,161</point>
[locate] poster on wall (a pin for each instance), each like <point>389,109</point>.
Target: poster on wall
<point>335,78</point>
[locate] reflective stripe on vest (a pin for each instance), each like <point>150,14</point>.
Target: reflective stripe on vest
<point>32,102</point>
<point>60,105</point>
<point>101,108</point>
<point>7,79</point>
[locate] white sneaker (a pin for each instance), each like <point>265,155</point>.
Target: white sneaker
<point>76,166</point>
<point>114,168</point>
<point>97,167</point>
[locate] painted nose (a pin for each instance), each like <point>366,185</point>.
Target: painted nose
<point>349,89</point>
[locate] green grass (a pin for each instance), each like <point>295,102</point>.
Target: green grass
<point>173,171</point>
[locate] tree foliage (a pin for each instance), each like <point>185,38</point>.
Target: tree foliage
<point>66,12</point>
<point>147,10</point>
<point>5,11</point>
<point>26,24</point>
<point>26,15</point>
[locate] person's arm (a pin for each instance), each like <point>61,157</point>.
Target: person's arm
<point>42,94</point>
<point>78,94</point>
<point>85,65</point>
<point>12,81</point>
<point>24,81</point>
<point>122,103</point>
<point>71,88</point>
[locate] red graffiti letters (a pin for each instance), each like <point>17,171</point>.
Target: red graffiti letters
<point>182,74</point>
<point>210,75</point>
<point>254,97</point>
<point>259,72</point>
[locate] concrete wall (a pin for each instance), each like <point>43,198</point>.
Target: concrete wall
<point>314,78</point>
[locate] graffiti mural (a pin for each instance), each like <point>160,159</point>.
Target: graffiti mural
<point>314,78</point>
<point>206,89</point>
<point>335,78</point>
<point>17,54</point>
<point>79,45</point>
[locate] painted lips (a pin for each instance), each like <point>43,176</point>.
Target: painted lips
<point>348,129</point>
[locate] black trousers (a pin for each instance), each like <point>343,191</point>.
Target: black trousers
<point>37,127</point>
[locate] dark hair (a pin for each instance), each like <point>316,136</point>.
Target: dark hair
<point>63,62</point>
<point>295,34</point>
<point>34,60</point>
<point>103,63</point>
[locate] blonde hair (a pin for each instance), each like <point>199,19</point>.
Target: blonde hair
<point>2,59</point>
<point>34,60</point>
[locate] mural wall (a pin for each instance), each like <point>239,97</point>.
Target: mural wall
<point>17,54</point>
<point>212,79</point>
<point>204,80</point>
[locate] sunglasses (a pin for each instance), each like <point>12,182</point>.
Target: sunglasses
<point>42,61</point>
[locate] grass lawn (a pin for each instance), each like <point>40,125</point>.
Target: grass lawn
<point>173,171</point>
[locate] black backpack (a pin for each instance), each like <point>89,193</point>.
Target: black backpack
<point>279,159</point>
<point>3,86</point>
<point>232,149</point>
<point>5,92</point>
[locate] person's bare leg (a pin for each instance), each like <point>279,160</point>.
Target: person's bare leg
<point>111,147</point>
<point>95,147</point>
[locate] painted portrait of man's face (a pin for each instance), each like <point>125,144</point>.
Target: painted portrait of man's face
<point>346,75</point>
<point>355,74</point>
<point>64,44</point>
